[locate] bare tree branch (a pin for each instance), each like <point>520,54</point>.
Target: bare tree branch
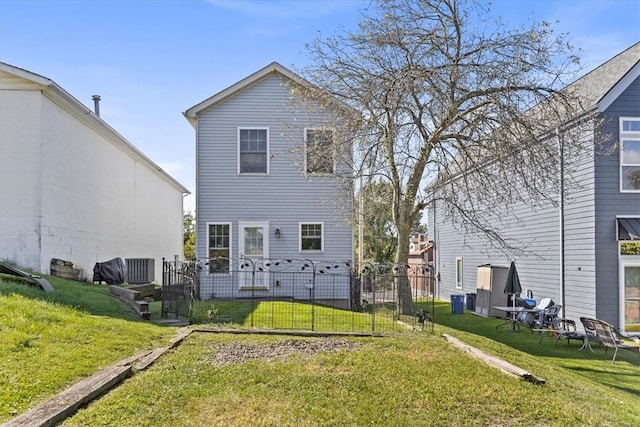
<point>442,87</point>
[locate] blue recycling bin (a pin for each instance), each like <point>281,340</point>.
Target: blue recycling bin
<point>457,304</point>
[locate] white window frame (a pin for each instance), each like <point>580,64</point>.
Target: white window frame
<point>623,262</point>
<point>268,160</point>
<point>321,224</point>
<point>627,135</point>
<point>459,272</point>
<point>306,151</point>
<point>230,248</point>
<point>265,237</point>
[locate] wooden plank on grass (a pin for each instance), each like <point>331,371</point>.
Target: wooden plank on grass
<point>180,335</point>
<point>496,362</point>
<point>66,403</point>
<point>147,360</point>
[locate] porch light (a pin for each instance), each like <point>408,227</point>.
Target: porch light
<point>277,233</point>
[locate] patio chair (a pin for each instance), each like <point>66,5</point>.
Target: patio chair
<point>547,317</point>
<point>563,329</point>
<point>608,336</point>
<point>545,312</point>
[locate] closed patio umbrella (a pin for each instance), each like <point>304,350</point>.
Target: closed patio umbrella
<point>512,287</point>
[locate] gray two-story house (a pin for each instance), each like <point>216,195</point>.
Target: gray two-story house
<point>272,195</point>
<point>584,251</point>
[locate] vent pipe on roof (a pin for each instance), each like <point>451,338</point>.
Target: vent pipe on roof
<point>96,104</point>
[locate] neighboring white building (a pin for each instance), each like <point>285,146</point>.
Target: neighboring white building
<point>73,188</point>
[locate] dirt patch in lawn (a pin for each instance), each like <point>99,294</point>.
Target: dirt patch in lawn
<point>238,352</point>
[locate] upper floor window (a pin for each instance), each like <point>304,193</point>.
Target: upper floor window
<point>219,247</point>
<point>629,154</point>
<point>311,237</point>
<point>319,150</point>
<point>253,146</point>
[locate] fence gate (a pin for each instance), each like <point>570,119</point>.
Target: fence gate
<point>178,289</point>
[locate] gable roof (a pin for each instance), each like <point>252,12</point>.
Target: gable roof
<point>604,84</point>
<point>243,84</point>
<point>20,79</point>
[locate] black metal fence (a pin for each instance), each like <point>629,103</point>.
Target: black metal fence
<point>178,289</point>
<point>302,294</point>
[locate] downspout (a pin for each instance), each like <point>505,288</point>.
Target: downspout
<point>436,256</point>
<point>361,226</point>
<point>560,137</point>
<point>361,238</point>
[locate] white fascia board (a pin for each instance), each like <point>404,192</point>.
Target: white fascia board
<point>24,74</point>
<point>192,113</point>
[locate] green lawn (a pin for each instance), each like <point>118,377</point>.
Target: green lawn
<point>51,340</point>
<point>413,378</point>
<point>287,315</point>
<point>624,375</point>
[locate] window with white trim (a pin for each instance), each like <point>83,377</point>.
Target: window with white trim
<point>311,237</point>
<point>253,148</point>
<point>219,247</point>
<point>629,154</point>
<point>629,273</point>
<point>459,273</point>
<point>319,151</point>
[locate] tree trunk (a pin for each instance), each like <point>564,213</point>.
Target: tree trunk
<point>405,297</point>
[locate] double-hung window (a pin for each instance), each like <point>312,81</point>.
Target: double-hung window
<point>219,247</point>
<point>311,237</point>
<point>629,154</point>
<point>319,151</point>
<point>253,148</point>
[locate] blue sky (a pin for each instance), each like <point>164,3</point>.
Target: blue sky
<point>151,60</point>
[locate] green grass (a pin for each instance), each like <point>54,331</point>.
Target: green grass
<point>386,381</point>
<point>49,341</point>
<point>474,330</point>
<point>288,315</point>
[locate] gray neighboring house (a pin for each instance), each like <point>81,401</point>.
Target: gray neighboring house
<point>260,192</point>
<point>597,274</point>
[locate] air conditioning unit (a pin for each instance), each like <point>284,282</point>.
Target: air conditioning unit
<point>140,270</point>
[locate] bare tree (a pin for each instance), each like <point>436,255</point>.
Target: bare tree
<point>441,89</point>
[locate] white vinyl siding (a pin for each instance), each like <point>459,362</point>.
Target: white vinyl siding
<point>285,197</point>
